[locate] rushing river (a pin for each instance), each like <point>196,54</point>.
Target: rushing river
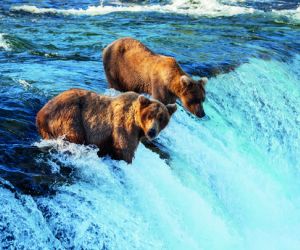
<point>229,181</point>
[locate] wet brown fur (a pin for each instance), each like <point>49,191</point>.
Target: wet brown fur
<point>131,66</point>
<point>114,124</point>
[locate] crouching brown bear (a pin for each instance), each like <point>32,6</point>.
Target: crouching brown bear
<point>114,124</point>
<point>131,66</point>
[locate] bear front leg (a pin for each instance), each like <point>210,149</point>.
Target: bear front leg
<point>123,154</point>
<point>159,93</point>
<point>124,146</point>
<point>162,94</point>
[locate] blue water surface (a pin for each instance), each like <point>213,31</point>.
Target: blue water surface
<point>230,181</point>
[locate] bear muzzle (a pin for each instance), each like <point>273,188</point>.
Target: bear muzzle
<point>151,133</point>
<point>200,113</point>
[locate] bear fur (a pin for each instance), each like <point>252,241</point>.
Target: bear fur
<point>131,66</point>
<point>114,124</point>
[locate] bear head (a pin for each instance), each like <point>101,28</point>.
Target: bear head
<point>154,116</point>
<point>193,94</point>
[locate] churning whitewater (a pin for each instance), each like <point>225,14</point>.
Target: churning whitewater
<point>211,8</point>
<point>229,181</point>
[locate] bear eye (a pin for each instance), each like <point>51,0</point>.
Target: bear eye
<point>160,118</point>
<point>194,101</point>
<point>149,116</point>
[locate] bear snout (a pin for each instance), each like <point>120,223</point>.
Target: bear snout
<point>151,133</point>
<point>200,113</point>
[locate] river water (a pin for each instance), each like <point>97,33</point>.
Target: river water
<point>229,181</point>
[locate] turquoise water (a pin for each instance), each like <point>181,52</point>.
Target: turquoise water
<point>229,181</point>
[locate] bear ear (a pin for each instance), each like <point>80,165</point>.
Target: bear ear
<point>185,81</point>
<point>143,101</point>
<point>203,81</point>
<point>171,108</point>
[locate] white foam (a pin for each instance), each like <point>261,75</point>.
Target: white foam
<point>3,43</point>
<point>22,224</point>
<point>24,84</point>
<point>145,207</point>
<point>185,7</point>
<point>294,15</point>
<point>193,8</point>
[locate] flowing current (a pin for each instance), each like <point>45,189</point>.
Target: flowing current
<point>229,181</point>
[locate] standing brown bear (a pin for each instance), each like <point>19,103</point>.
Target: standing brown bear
<point>131,66</point>
<point>114,124</point>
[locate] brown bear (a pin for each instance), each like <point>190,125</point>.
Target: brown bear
<point>114,124</point>
<point>131,66</point>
